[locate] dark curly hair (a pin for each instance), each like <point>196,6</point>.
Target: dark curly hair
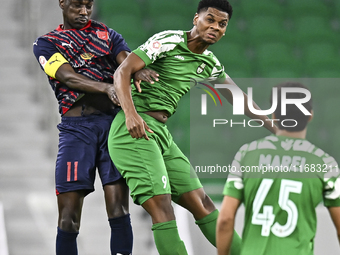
<point>222,5</point>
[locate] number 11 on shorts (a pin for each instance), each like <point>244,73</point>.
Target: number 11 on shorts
<point>75,171</point>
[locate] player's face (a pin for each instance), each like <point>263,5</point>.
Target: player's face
<point>211,24</point>
<point>76,13</point>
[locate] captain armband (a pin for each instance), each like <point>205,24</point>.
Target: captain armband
<point>52,65</point>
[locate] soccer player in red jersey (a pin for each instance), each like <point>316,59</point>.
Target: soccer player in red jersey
<point>79,58</point>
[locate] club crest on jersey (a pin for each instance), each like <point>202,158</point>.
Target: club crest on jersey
<point>200,69</point>
<point>86,56</point>
<point>103,35</point>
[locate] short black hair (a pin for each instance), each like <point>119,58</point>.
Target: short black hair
<point>222,5</point>
<point>292,111</point>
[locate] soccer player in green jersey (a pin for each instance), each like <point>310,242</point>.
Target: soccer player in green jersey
<point>280,202</point>
<point>155,169</point>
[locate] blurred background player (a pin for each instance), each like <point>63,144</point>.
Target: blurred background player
<point>80,57</point>
<point>155,168</point>
<point>280,205</point>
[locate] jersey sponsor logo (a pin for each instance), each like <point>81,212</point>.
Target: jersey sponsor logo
<point>179,57</point>
<point>103,35</point>
<point>200,69</point>
<point>42,61</point>
<point>67,45</point>
<point>87,56</point>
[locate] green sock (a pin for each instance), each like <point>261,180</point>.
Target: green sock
<point>208,228</point>
<point>167,239</point>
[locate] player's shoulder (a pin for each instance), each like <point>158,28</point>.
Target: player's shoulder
<point>213,57</point>
<point>304,146</point>
<point>43,42</point>
<point>324,156</point>
<point>209,53</point>
<point>307,148</point>
<point>162,42</point>
<point>47,39</point>
<point>169,36</point>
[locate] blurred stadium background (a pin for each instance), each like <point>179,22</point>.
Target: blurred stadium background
<point>265,39</point>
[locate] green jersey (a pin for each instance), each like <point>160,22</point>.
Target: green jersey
<point>167,53</point>
<point>281,180</point>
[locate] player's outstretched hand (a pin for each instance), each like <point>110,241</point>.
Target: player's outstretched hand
<point>137,126</point>
<point>147,75</point>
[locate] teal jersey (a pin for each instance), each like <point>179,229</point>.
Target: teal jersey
<point>281,180</point>
<point>167,53</point>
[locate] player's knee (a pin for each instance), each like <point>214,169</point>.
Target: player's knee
<point>197,199</point>
<point>116,200</point>
<point>161,202</point>
<point>69,222</point>
<point>198,203</point>
<point>201,200</point>
<point>160,209</point>
<point>117,208</point>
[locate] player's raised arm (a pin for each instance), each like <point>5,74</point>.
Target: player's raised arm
<point>268,124</point>
<point>122,84</point>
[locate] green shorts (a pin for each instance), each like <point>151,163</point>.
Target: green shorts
<point>153,167</point>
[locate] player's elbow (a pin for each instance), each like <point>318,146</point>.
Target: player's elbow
<point>225,222</point>
<point>128,67</point>
<point>123,71</point>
